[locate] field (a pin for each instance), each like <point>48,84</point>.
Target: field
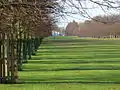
<point>72,63</point>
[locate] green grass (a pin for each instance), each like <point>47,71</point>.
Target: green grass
<point>62,38</point>
<point>72,63</point>
<point>64,86</point>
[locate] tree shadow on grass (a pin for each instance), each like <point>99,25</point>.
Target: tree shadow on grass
<point>72,61</point>
<point>69,69</point>
<point>68,82</point>
<point>51,81</point>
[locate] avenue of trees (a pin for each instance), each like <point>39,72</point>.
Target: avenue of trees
<point>24,24</point>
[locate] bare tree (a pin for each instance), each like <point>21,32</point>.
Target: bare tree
<point>23,24</point>
<point>84,8</point>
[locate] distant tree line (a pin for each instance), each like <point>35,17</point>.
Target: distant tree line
<point>93,28</point>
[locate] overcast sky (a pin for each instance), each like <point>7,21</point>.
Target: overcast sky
<point>94,10</point>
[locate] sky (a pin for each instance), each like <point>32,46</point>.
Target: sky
<point>94,10</point>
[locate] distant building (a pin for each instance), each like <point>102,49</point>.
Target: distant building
<point>55,33</point>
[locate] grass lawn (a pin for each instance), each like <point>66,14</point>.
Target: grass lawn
<point>72,63</point>
<point>61,86</point>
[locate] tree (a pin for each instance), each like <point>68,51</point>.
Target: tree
<point>84,7</point>
<point>72,29</point>
<point>24,23</point>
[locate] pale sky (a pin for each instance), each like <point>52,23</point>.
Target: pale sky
<point>94,10</point>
